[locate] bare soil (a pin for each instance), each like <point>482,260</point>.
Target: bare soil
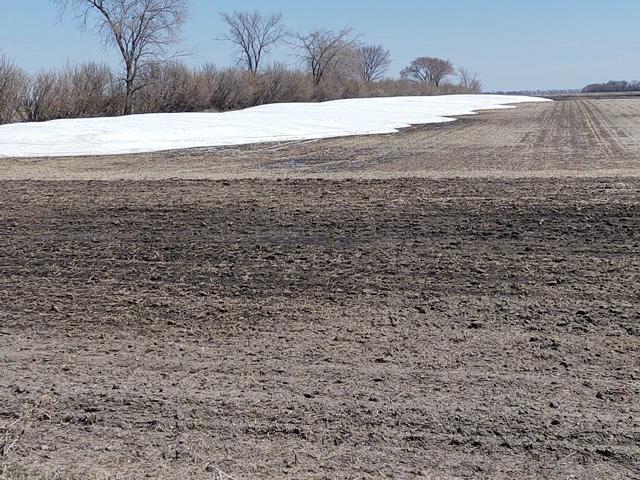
<point>353,325</point>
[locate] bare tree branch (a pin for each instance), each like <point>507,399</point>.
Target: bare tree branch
<point>372,62</point>
<point>321,50</point>
<point>13,85</point>
<point>141,30</point>
<point>469,80</point>
<point>428,70</point>
<point>253,35</point>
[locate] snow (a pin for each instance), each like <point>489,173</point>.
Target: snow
<point>266,123</point>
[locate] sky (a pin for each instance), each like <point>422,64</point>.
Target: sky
<point>511,44</point>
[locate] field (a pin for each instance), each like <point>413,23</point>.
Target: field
<point>452,301</point>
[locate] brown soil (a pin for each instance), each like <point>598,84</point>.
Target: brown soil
<point>318,328</point>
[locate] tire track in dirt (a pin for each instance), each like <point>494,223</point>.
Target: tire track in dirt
<point>614,132</point>
<point>537,137</point>
<point>599,127</point>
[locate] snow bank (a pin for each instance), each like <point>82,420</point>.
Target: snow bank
<point>266,123</point>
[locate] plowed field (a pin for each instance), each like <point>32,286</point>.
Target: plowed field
<point>454,301</point>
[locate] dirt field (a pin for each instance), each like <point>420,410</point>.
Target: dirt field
<point>478,318</point>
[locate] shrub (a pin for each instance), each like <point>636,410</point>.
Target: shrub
<point>13,85</point>
<point>91,89</point>
<point>88,90</point>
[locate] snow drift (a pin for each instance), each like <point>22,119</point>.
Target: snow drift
<point>266,123</point>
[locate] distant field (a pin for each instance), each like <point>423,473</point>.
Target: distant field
<point>586,137</point>
<point>452,301</point>
<point>594,95</point>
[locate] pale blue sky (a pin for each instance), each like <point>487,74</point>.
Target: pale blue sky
<point>512,44</point>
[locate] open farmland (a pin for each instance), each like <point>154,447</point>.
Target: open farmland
<point>452,301</point>
<point>592,138</point>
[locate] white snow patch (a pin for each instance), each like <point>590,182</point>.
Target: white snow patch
<point>266,123</point>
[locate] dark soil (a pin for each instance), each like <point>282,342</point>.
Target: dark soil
<point>469,328</point>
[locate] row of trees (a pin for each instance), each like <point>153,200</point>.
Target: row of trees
<point>93,89</point>
<point>331,64</point>
<point>613,86</point>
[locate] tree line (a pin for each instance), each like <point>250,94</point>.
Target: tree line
<point>331,64</point>
<point>612,86</point>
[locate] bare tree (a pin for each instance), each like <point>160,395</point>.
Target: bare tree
<point>253,35</point>
<point>469,80</point>
<point>142,30</point>
<point>372,62</point>
<point>321,50</point>
<point>428,70</point>
<point>42,102</point>
<point>13,86</point>
<point>87,90</point>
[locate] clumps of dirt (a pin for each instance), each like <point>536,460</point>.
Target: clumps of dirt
<point>317,329</point>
